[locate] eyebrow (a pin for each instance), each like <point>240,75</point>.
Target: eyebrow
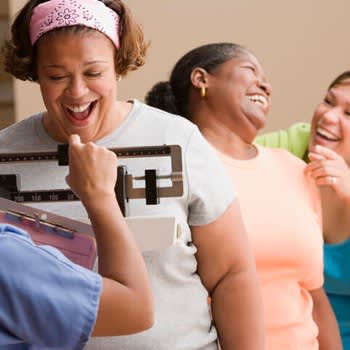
<point>85,64</point>
<point>330,92</point>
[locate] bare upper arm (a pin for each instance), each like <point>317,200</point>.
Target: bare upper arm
<point>222,246</point>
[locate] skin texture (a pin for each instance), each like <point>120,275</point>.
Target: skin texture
<point>230,118</point>
<point>231,281</point>
<point>330,159</point>
<point>328,337</point>
<point>126,289</point>
<point>333,116</point>
<point>75,70</point>
<point>233,114</point>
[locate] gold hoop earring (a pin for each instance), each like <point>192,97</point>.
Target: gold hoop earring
<point>203,91</point>
<point>119,78</point>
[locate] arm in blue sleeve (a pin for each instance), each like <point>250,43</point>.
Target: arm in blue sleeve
<point>46,300</point>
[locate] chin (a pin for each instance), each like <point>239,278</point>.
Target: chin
<point>259,121</point>
<point>260,125</point>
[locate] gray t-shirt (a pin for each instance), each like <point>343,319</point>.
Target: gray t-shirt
<point>182,314</point>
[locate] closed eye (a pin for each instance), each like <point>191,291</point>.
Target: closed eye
<point>252,68</point>
<point>93,74</point>
<point>56,77</point>
<point>328,101</point>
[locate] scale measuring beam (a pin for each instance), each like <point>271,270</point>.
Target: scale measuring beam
<point>124,188</point>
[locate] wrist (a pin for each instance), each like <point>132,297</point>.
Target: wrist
<point>101,201</point>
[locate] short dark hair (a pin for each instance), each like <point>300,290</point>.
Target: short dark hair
<point>20,56</point>
<point>341,79</point>
<point>172,96</point>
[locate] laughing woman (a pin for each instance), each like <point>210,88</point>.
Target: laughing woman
<point>223,89</point>
<point>76,50</point>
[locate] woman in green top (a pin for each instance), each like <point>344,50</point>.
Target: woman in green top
<point>325,145</point>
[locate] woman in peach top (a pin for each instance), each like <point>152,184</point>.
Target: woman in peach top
<point>223,89</point>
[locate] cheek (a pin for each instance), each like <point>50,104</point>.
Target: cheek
<point>105,89</point>
<point>49,93</point>
<point>344,151</point>
<point>346,133</point>
<point>319,111</point>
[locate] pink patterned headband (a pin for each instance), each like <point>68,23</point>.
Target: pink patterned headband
<point>63,13</point>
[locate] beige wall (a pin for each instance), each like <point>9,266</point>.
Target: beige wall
<point>302,45</point>
<point>3,7</point>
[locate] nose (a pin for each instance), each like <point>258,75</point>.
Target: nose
<point>265,86</point>
<point>76,87</point>
<point>331,115</point>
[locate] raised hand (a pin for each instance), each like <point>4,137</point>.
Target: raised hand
<point>92,170</point>
<point>328,168</point>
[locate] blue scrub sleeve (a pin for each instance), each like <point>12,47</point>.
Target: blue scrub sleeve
<point>46,301</point>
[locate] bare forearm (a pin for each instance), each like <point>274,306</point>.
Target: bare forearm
<point>119,256</point>
<point>237,312</point>
<point>328,337</point>
<point>125,288</point>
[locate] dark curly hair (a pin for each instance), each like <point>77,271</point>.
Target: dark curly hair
<point>19,56</point>
<point>173,95</point>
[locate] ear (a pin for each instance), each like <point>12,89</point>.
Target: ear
<point>199,78</point>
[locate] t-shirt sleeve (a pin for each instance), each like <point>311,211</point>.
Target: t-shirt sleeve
<point>46,300</point>
<point>295,139</point>
<point>210,190</point>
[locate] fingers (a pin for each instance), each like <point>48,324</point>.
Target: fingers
<point>318,170</point>
<point>92,170</point>
<point>322,157</point>
<point>323,175</point>
<point>322,167</point>
<point>328,168</point>
<point>315,156</point>
<point>330,181</point>
<point>74,139</point>
<point>317,165</point>
<point>325,153</point>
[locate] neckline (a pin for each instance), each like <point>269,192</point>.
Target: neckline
<point>242,163</point>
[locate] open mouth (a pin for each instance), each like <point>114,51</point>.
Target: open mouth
<point>259,100</point>
<point>327,135</point>
<point>80,112</point>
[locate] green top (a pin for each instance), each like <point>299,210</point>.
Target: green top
<point>295,139</point>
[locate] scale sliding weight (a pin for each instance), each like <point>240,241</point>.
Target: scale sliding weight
<point>124,188</point>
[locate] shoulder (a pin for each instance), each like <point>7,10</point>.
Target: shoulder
<point>282,157</point>
<point>291,168</point>
<point>18,131</point>
<point>163,118</point>
<point>20,125</point>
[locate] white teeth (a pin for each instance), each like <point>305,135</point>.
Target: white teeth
<point>259,99</point>
<point>78,109</point>
<point>326,134</point>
